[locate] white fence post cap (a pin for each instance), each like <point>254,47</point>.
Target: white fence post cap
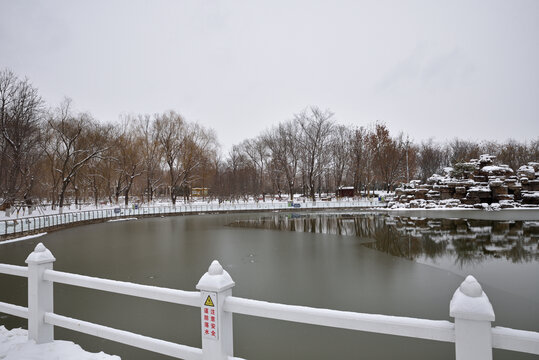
<point>470,302</point>
<point>40,255</point>
<point>215,279</point>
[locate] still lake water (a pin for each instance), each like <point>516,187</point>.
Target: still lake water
<point>363,262</point>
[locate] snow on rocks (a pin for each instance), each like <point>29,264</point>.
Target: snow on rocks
<point>479,189</point>
<point>486,159</point>
<point>492,170</point>
<point>435,178</point>
<point>478,184</point>
<point>531,197</point>
<point>14,345</point>
<point>526,171</point>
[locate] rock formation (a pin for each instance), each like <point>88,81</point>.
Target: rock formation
<point>474,184</point>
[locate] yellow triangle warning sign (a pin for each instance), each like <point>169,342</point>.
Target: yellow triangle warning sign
<point>208,302</point>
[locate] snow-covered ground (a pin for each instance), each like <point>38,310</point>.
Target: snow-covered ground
<point>22,238</point>
<point>123,219</point>
<point>14,345</point>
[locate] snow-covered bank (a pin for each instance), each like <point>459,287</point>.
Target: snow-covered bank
<point>28,237</point>
<point>123,219</point>
<point>14,345</point>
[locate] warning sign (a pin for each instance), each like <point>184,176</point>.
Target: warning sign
<point>208,302</point>
<point>210,324</point>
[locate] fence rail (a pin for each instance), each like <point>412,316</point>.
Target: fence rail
<point>19,226</point>
<point>382,324</point>
<point>15,310</point>
<point>471,332</point>
<point>515,340</point>
<point>126,337</point>
<point>14,270</point>
<point>191,298</point>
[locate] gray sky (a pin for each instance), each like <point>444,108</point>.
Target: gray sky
<point>429,68</point>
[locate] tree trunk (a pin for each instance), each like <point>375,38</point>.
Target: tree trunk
<point>127,190</point>
<point>109,192</point>
<point>62,196</point>
<point>149,189</point>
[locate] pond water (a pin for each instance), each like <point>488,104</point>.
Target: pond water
<point>363,262</point>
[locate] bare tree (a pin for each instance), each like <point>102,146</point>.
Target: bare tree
<point>170,128</point>
<point>462,151</point>
<point>256,150</point>
<point>431,157</point>
<point>150,153</point>
<point>340,150</point>
<point>183,147</point>
<point>21,111</point>
<point>237,181</point>
<point>284,146</point>
<point>128,148</point>
<point>72,141</point>
<point>388,155</point>
<point>515,154</point>
<point>94,179</point>
<point>361,159</point>
<point>200,148</point>
<point>316,126</point>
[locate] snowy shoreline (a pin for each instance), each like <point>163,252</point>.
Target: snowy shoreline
<point>123,219</point>
<point>22,238</point>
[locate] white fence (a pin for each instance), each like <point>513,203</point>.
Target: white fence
<point>44,222</point>
<point>471,332</point>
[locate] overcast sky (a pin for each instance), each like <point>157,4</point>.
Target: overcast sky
<point>429,68</point>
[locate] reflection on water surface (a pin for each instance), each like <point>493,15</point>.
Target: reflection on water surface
<point>467,241</point>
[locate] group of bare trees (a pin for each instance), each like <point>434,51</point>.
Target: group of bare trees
<point>144,155</point>
<point>312,154</point>
<point>58,155</point>
<point>61,156</point>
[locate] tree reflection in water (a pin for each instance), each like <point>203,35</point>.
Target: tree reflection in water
<point>468,241</point>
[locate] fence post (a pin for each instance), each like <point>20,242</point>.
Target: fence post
<point>473,314</point>
<point>40,295</point>
<point>216,324</point>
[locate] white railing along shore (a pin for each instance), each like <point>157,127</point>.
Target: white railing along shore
<point>43,222</point>
<point>471,332</point>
